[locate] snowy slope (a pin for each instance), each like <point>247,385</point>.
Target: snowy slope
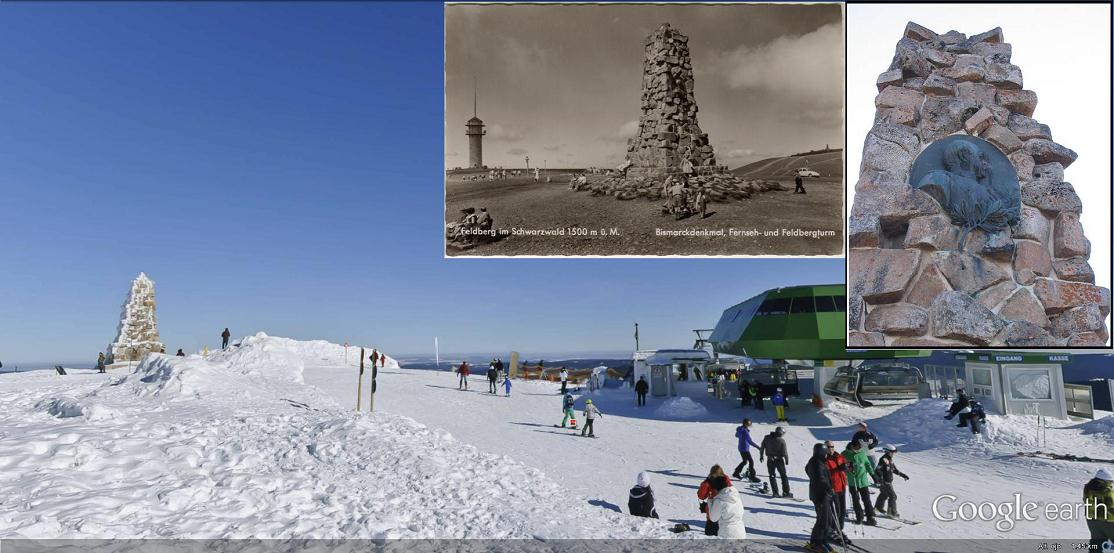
<point>237,446</point>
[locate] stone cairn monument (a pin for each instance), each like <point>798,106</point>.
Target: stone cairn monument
<point>963,231</point>
<point>138,332</point>
<point>668,132</point>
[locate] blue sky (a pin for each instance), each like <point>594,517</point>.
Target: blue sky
<point>278,167</point>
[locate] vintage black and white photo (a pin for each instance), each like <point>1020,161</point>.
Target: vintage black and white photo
<point>644,129</point>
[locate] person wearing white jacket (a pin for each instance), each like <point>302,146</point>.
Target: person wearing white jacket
<point>726,508</point>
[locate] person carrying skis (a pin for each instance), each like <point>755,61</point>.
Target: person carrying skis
<point>777,457</point>
<point>491,376</point>
<point>870,441</point>
<point>780,403</point>
<point>756,396</point>
<point>463,371</point>
<point>1100,521</point>
<point>641,388</point>
<point>564,380</point>
<point>742,432</point>
<point>641,500</point>
<point>590,415</point>
<point>837,466</point>
<point>705,494</point>
<point>820,493</point>
<point>224,336</point>
<point>961,401</point>
<point>100,362</point>
<point>507,384</point>
<point>858,481</point>
<point>725,509</point>
<point>567,409</point>
<point>886,471</point>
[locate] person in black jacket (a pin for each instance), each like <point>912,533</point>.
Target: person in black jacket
<point>824,531</point>
<point>960,402</point>
<point>641,502</point>
<point>180,353</point>
<point>869,441</point>
<point>744,392</point>
<point>641,388</point>
<point>777,457</point>
<point>224,336</point>
<point>886,471</point>
<point>492,374</point>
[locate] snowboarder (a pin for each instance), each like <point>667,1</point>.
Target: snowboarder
<point>567,409</point>
<point>463,372</point>
<point>780,403</point>
<point>507,385</point>
<point>858,480</point>
<point>564,380</point>
<point>725,509</point>
<point>705,494</point>
<point>742,432</point>
<point>641,388</point>
<point>744,392</point>
<point>777,457</point>
<point>756,396</point>
<point>870,441</point>
<point>1100,521</point>
<point>837,466</point>
<point>491,376</point>
<point>821,495</point>
<point>886,471</point>
<point>590,415</point>
<point>973,414</point>
<point>224,336</point>
<point>800,188</point>
<point>641,501</point>
<point>960,402</point>
<point>180,353</point>
<point>100,362</point>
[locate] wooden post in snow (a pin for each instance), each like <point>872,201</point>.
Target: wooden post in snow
<point>360,384</point>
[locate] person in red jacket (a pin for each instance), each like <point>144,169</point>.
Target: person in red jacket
<point>705,494</point>
<point>463,372</point>
<point>837,466</point>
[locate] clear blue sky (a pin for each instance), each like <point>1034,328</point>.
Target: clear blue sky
<point>278,167</point>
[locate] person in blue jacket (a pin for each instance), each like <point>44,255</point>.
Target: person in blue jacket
<point>780,403</point>
<point>507,385</point>
<point>745,443</point>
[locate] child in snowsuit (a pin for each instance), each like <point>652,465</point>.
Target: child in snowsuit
<point>780,403</point>
<point>590,415</point>
<point>641,501</point>
<point>567,408</point>
<point>885,472</point>
<point>507,385</point>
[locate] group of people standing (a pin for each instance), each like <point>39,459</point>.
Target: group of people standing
<point>970,412</point>
<point>495,374</point>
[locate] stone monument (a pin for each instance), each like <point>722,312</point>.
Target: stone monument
<point>963,231</point>
<point>138,332</point>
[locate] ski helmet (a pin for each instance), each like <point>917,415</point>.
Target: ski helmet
<point>1104,474</point>
<point>779,431</point>
<point>889,447</point>
<point>779,389</point>
<point>587,401</point>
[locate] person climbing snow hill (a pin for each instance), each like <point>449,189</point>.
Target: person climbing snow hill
<point>886,471</point>
<point>726,510</point>
<point>591,413</point>
<point>641,500</point>
<point>742,432</point>
<point>705,494</point>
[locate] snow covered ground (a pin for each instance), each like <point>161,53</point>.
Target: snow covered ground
<point>262,441</point>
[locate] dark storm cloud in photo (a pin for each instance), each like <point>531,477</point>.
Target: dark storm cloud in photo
<point>769,78</point>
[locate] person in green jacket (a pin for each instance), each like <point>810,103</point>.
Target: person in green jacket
<point>858,481</point>
<point>1098,499</point>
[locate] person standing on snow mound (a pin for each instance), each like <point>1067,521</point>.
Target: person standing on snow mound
<point>224,336</point>
<point>821,494</point>
<point>886,471</point>
<point>180,353</point>
<point>726,509</point>
<point>492,374</point>
<point>564,380</point>
<point>705,494</point>
<point>463,371</point>
<point>858,481</point>
<point>742,432</point>
<point>507,385</point>
<point>780,403</point>
<point>591,413</point>
<point>641,501</point>
<point>567,409</point>
<point>641,388</point>
<point>777,457</point>
<point>1098,501</point>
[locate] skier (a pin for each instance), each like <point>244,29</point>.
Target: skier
<point>567,409</point>
<point>224,336</point>
<point>870,441</point>
<point>641,388</point>
<point>705,494</point>
<point>960,402</point>
<point>100,362</point>
<point>491,376</point>
<point>726,510</point>
<point>886,471</point>
<point>780,403</point>
<point>180,353</point>
<point>745,443</point>
<point>820,493</point>
<point>837,466</point>
<point>858,481</point>
<point>756,396</point>
<point>564,380</point>
<point>1100,521</point>
<point>507,385</point>
<point>641,501</point>
<point>777,454</point>
<point>590,414</point>
<point>463,372</point>
<point>744,392</point>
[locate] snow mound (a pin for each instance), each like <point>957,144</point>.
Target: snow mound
<point>1103,427</point>
<point>68,407</point>
<point>681,408</point>
<point>182,378</point>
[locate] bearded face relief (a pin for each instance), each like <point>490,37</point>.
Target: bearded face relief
<point>974,183</point>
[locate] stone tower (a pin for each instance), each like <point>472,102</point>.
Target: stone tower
<point>916,278</point>
<point>667,129</point>
<point>138,332</point>
<point>475,134</point>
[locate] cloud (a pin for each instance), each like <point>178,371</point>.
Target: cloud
<point>806,69</point>
<point>501,133</point>
<point>517,152</point>
<point>625,131</point>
